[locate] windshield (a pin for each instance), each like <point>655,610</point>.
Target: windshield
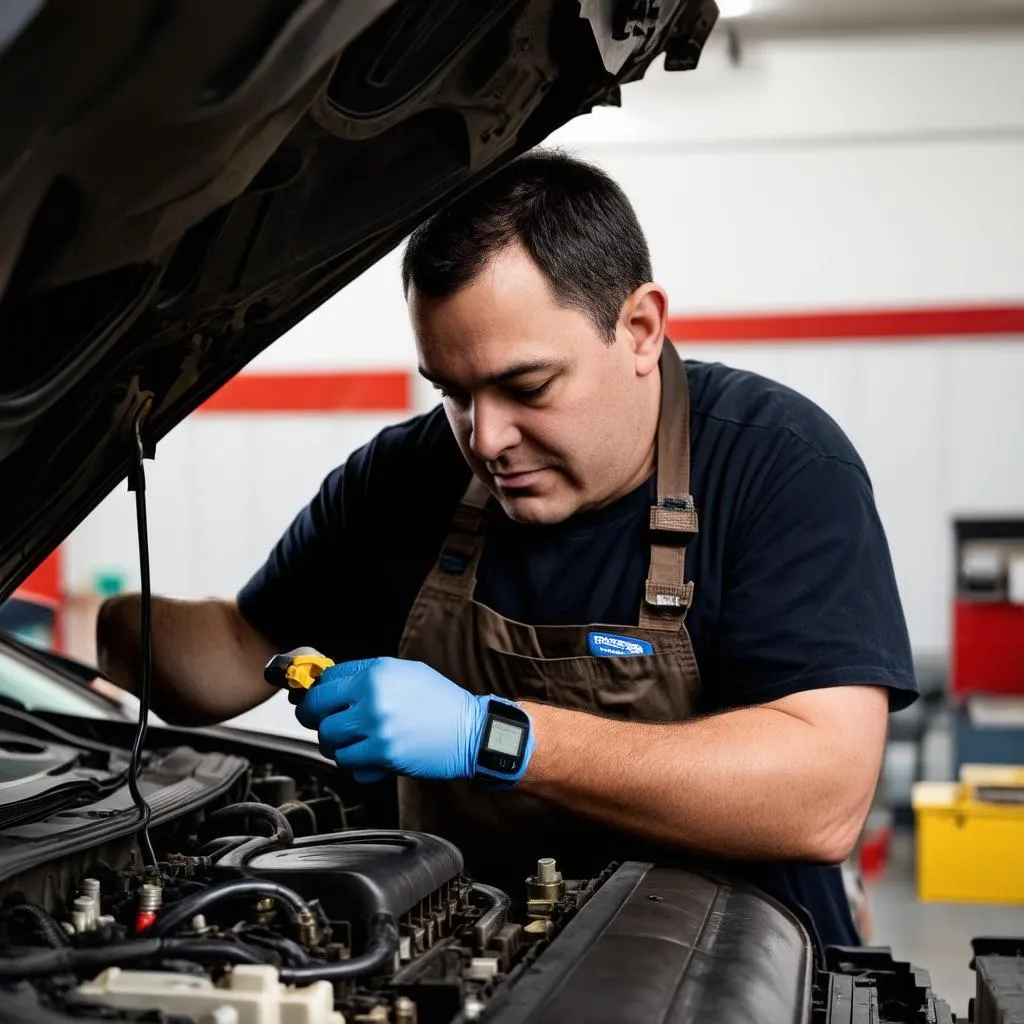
<point>29,686</point>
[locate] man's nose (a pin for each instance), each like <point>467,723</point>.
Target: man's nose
<point>494,429</point>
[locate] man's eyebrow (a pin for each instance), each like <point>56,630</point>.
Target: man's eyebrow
<point>509,373</point>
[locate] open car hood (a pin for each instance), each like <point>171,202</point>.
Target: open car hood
<point>180,183</point>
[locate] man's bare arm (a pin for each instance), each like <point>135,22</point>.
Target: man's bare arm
<point>789,780</point>
<point>207,660</point>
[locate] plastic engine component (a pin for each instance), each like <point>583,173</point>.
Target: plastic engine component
<point>1000,998</point>
<point>867,986</point>
<point>253,991</point>
<point>681,946</point>
<point>356,875</point>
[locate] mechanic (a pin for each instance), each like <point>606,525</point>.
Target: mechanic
<point>710,679</point>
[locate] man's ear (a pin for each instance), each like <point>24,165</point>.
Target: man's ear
<point>642,324</point>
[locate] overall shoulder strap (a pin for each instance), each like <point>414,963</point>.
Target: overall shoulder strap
<point>457,564</point>
<point>673,520</point>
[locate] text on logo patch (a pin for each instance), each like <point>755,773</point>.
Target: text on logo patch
<point>608,645</point>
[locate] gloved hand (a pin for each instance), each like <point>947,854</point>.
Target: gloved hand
<point>386,714</point>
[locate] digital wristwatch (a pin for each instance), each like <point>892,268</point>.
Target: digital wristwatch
<point>504,743</point>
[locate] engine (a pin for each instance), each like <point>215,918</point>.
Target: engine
<point>258,913</point>
<point>253,913</point>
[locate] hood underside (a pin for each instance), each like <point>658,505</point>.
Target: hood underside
<point>181,183</point>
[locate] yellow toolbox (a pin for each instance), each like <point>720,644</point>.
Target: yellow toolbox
<point>970,836</point>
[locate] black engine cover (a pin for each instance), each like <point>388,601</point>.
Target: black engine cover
<point>356,875</point>
<point>677,947</point>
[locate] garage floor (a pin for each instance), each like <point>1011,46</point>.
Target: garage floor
<point>935,936</point>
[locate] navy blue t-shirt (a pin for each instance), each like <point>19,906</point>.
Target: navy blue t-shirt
<point>794,587</point>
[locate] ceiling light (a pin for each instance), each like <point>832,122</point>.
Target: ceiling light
<point>735,8</point>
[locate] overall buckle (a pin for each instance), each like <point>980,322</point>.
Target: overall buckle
<point>675,515</point>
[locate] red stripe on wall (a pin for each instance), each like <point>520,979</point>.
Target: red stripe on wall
<point>313,392</point>
<point>391,391</point>
<point>961,322</point>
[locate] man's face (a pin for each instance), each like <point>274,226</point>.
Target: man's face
<point>551,416</point>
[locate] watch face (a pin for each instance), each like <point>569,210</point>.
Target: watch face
<point>503,744</point>
<point>504,737</point>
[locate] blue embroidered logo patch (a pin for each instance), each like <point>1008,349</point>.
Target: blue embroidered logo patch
<point>608,645</point>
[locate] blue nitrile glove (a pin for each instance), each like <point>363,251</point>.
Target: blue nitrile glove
<point>390,715</point>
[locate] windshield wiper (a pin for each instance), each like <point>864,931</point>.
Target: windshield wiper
<point>35,723</point>
<point>60,798</point>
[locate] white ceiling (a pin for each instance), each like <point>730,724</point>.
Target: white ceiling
<point>838,16</point>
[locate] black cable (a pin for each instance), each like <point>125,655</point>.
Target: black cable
<point>234,858</point>
<point>379,955</point>
<point>290,952</point>
<point>184,910</point>
<point>39,921</point>
<point>138,484</point>
<point>220,845</point>
<point>53,961</point>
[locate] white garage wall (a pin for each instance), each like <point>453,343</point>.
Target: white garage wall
<point>819,175</point>
<point>219,493</point>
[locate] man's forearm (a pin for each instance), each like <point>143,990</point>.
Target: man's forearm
<point>207,661</point>
<point>755,783</point>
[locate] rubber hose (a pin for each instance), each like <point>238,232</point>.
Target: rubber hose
<point>52,933</point>
<point>184,910</point>
<point>493,919</point>
<point>234,860</point>
<point>53,961</point>
<point>221,845</point>
<point>285,948</point>
<point>280,827</point>
<point>299,805</point>
<point>379,955</point>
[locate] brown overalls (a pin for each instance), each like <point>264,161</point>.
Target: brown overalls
<point>501,834</point>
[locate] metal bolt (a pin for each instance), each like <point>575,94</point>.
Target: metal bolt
<point>199,924</point>
<point>544,889</point>
<point>309,928</point>
<point>90,890</point>
<point>151,897</point>
<point>83,913</point>
<point>405,1010</point>
<point>546,870</point>
<point>265,910</point>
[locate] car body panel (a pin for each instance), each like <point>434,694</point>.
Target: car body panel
<point>182,183</point>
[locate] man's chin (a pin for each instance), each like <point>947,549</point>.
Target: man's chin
<point>535,509</point>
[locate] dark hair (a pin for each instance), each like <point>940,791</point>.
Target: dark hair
<point>574,221</point>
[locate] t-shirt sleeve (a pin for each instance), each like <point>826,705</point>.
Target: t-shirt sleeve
<point>809,597</point>
<point>296,595</point>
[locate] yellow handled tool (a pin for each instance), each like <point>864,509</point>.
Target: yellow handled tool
<point>296,670</point>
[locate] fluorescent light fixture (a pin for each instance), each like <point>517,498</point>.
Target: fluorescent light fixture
<point>735,8</point>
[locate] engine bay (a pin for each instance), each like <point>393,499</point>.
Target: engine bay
<point>275,903</point>
<point>259,911</point>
